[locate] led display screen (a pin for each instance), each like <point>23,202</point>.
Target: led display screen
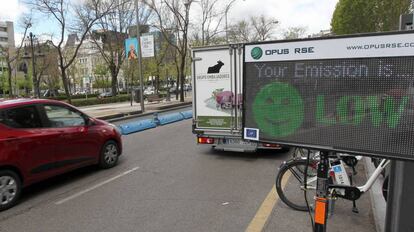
<point>353,94</point>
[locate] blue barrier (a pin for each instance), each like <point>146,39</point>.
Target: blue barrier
<point>187,114</point>
<point>169,118</point>
<point>137,126</point>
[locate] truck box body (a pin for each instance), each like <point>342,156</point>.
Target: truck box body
<point>217,98</point>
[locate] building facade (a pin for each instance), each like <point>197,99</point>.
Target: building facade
<point>84,74</point>
<point>6,41</point>
<point>6,34</point>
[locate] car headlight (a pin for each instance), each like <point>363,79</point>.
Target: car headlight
<point>116,128</point>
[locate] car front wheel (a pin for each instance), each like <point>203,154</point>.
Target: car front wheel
<point>10,188</point>
<point>109,155</point>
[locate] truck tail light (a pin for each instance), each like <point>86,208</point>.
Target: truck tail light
<point>204,140</point>
<point>271,145</point>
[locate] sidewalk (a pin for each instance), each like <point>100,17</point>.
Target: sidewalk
<point>284,218</point>
<point>124,109</point>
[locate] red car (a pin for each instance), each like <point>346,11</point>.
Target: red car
<point>44,138</point>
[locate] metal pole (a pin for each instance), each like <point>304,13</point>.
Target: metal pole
<point>140,60</point>
<point>401,190</point>
<point>227,31</point>
<point>400,197</point>
<point>34,77</point>
<point>132,81</point>
<point>321,201</point>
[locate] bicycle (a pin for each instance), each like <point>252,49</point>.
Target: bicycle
<point>340,183</point>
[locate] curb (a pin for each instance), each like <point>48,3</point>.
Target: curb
<point>118,115</point>
<point>137,114</point>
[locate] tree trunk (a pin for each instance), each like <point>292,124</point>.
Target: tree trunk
<point>65,85</point>
<point>114,80</point>
<point>9,77</point>
<point>114,85</point>
<point>37,86</point>
<point>178,83</point>
<point>157,79</point>
<point>182,77</point>
<point>157,83</point>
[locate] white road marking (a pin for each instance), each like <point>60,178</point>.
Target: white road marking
<point>95,186</point>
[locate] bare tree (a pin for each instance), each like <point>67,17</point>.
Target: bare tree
<point>240,32</point>
<point>11,54</point>
<point>173,16</point>
<point>86,17</point>
<point>210,20</point>
<point>155,64</point>
<point>45,58</point>
<point>113,31</point>
<point>294,32</point>
<point>264,27</point>
<point>259,28</point>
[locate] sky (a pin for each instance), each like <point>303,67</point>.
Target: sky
<point>314,15</point>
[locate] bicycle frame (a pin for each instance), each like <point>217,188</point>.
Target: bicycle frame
<point>384,163</point>
<point>364,188</point>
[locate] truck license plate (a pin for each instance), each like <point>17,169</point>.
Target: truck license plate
<point>237,141</point>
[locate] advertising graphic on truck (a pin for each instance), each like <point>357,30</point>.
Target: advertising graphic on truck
<point>214,90</point>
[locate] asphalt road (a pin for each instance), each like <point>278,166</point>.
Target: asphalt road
<point>165,182</point>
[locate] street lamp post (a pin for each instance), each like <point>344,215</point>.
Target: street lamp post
<point>34,75</point>
<point>141,86</point>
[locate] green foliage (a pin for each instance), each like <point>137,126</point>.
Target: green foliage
<point>96,101</point>
<point>354,16</point>
<point>391,11</point>
<point>102,80</point>
<point>360,16</point>
<point>4,87</point>
<point>294,33</point>
<point>79,96</point>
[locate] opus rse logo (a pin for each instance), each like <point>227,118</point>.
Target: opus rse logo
<point>256,53</point>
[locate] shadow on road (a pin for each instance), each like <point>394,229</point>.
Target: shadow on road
<point>60,181</point>
<point>249,156</point>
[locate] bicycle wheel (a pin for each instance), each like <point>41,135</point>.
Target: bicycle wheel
<point>385,188</point>
<point>290,184</point>
<point>302,153</point>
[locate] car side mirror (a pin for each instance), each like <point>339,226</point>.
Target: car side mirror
<point>89,121</point>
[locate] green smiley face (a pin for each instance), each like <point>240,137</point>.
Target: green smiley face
<point>278,109</point>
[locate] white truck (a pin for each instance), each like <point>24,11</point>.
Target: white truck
<point>217,73</point>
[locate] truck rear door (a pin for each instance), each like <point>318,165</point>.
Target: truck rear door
<point>217,98</point>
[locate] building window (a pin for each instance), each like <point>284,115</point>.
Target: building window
<point>3,29</point>
<point>3,39</point>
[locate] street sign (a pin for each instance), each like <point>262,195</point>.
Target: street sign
<point>147,48</point>
<point>352,94</point>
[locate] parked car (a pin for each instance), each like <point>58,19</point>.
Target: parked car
<point>149,91</point>
<point>174,90</point>
<point>80,93</point>
<point>43,138</point>
<point>105,95</point>
<point>188,87</point>
<point>51,93</point>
